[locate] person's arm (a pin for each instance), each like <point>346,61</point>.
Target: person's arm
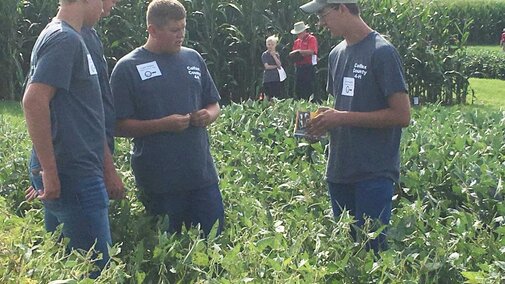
<point>396,115</point>
<point>277,60</point>
<point>306,52</point>
<point>113,183</point>
<point>293,52</point>
<point>139,128</point>
<point>205,116</point>
<point>295,49</point>
<point>269,67</point>
<point>311,47</point>
<point>36,102</point>
<point>275,57</point>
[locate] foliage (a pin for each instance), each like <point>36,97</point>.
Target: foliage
<point>484,17</point>
<point>483,63</point>
<point>11,73</point>
<point>431,52</point>
<point>231,35</point>
<point>447,224</point>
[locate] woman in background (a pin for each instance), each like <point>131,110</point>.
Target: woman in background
<point>273,74</point>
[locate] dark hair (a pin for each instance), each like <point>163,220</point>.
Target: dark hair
<point>353,7</point>
<point>160,12</point>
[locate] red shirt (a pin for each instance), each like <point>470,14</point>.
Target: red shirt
<point>307,42</point>
<point>502,37</point>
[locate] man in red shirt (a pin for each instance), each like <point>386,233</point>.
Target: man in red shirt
<point>304,55</point>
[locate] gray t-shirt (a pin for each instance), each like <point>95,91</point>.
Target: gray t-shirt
<point>95,47</point>
<point>149,86</point>
<point>270,75</point>
<point>60,59</point>
<point>361,77</point>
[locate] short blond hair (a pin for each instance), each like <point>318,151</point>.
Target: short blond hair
<point>160,12</point>
<point>273,38</point>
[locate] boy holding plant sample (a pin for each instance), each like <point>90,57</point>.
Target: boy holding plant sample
<point>366,77</point>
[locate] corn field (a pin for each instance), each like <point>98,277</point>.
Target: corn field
<point>231,34</point>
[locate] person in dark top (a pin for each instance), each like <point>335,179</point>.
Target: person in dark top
<point>165,99</point>
<point>65,118</point>
<point>273,73</point>
<point>366,77</point>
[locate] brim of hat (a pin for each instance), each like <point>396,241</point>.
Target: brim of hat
<point>295,33</point>
<point>312,7</point>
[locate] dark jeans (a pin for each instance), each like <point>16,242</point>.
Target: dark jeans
<point>273,89</point>
<point>202,206</point>
<point>305,77</point>
<point>369,198</point>
<point>82,208</point>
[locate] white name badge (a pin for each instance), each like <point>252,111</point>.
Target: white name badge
<point>148,70</point>
<point>348,87</point>
<point>91,65</point>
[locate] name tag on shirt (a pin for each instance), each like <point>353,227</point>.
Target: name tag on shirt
<point>348,87</point>
<point>148,70</point>
<point>91,65</point>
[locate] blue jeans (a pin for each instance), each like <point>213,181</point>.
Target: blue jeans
<point>369,198</point>
<point>202,206</point>
<point>82,208</point>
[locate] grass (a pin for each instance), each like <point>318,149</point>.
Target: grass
<point>492,48</point>
<point>489,92</point>
<point>10,108</point>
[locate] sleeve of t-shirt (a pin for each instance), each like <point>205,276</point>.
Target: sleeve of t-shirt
<point>209,90</point>
<point>313,44</point>
<point>56,59</point>
<point>122,91</point>
<point>389,71</point>
<point>264,58</point>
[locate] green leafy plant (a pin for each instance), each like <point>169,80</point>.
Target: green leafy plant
<point>447,224</point>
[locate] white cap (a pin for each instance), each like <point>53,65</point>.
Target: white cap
<point>317,5</point>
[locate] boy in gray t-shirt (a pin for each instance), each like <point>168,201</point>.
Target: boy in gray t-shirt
<point>371,107</point>
<point>165,98</point>
<point>64,115</point>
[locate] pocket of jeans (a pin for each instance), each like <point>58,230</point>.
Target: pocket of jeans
<point>92,195</point>
<point>54,205</point>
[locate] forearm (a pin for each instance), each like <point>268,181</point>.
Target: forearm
<point>277,61</point>
<point>397,114</point>
<point>139,128</point>
<point>108,162</point>
<point>307,52</point>
<point>38,121</point>
<point>214,111</point>
<point>113,183</point>
<point>270,67</point>
<point>384,118</point>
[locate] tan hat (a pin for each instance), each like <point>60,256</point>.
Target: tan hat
<point>299,27</point>
<point>317,5</point>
